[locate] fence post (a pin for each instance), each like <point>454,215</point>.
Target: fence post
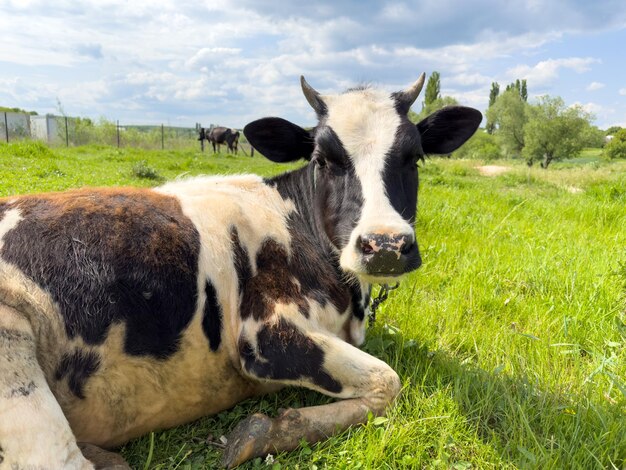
<point>6,127</point>
<point>67,135</point>
<point>117,126</point>
<point>162,139</point>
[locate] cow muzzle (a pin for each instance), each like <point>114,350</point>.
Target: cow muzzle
<point>388,254</point>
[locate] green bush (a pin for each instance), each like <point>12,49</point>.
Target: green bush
<point>481,146</point>
<point>141,169</point>
<point>616,148</point>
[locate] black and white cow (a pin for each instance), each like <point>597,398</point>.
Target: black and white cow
<point>223,135</point>
<point>123,311</point>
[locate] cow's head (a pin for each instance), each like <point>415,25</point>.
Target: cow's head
<point>365,153</point>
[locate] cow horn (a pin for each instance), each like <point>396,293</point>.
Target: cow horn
<point>313,97</point>
<point>408,96</point>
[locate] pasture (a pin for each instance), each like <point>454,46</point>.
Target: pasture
<point>510,340</point>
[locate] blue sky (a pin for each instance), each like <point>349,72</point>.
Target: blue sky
<point>231,61</point>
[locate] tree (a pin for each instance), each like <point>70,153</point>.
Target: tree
<point>508,115</point>
<point>480,146</point>
<point>616,148</point>
<point>433,89</point>
<point>612,130</point>
<point>554,131</point>
<point>493,95</point>
<point>524,91</point>
<point>17,110</point>
<point>520,87</point>
<point>593,137</point>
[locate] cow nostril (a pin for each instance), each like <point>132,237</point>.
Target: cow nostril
<point>365,246</point>
<point>407,247</point>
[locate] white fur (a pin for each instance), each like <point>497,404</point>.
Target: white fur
<point>34,433</point>
<point>215,205</point>
<point>366,122</point>
<point>10,220</point>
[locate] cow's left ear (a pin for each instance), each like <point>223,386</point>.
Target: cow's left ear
<point>446,130</point>
<point>279,140</point>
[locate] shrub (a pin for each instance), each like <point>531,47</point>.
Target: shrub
<point>616,148</point>
<point>480,146</point>
<point>142,170</point>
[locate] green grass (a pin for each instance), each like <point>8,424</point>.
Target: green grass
<point>510,340</point>
<point>31,166</point>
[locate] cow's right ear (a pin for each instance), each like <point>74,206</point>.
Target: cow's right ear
<point>279,140</point>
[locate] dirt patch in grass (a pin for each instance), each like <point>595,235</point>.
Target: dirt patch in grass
<point>492,170</point>
<point>574,189</point>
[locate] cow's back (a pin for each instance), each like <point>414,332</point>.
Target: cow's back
<point>133,315</point>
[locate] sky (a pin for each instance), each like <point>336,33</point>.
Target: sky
<point>229,62</point>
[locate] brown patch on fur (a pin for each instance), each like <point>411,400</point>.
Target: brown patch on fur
<point>273,283</point>
<point>284,278</point>
<point>97,205</point>
<point>4,206</point>
<point>347,331</point>
<point>111,255</point>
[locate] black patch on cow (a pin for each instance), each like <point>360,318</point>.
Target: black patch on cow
<point>241,260</point>
<point>111,256</point>
<point>274,282</point>
<point>309,271</point>
<point>212,320</point>
<point>285,353</point>
<point>400,175</point>
<point>77,367</point>
<point>23,390</point>
<point>359,302</point>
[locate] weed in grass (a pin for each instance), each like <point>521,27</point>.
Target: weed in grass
<point>141,169</point>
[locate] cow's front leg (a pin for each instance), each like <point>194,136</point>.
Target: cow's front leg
<point>33,430</point>
<point>103,459</point>
<point>285,353</point>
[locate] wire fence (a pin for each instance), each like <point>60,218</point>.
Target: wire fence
<point>68,131</point>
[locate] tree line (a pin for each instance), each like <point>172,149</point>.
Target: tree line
<point>543,131</point>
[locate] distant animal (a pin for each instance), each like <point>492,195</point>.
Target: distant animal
<point>234,141</point>
<point>223,135</point>
<point>124,311</point>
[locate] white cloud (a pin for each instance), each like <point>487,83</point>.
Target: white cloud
<point>622,91</point>
<point>211,55</point>
<point>593,86</point>
<point>595,108</point>
<point>547,71</point>
<point>469,79</point>
<point>240,59</point>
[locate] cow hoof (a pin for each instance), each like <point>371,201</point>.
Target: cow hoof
<point>103,459</point>
<point>248,439</point>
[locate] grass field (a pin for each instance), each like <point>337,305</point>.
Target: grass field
<point>510,340</point>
